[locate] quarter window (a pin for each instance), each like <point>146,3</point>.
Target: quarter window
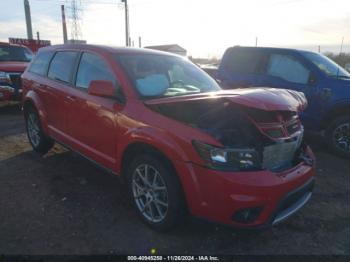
<point>62,66</point>
<point>243,61</point>
<point>287,68</point>
<point>92,67</point>
<point>40,63</point>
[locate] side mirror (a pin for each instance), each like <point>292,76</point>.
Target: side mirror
<point>102,88</point>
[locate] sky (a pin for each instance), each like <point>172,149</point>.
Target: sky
<point>205,28</point>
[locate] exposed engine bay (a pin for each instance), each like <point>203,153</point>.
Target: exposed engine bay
<point>275,138</point>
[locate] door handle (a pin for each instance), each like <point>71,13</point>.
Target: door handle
<point>71,98</point>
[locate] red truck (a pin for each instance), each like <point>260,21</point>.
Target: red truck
<point>13,61</point>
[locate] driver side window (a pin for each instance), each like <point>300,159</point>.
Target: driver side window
<point>287,68</point>
<point>92,67</point>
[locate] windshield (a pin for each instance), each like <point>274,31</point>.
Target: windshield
<point>164,76</point>
<point>15,53</point>
<point>327,65</point>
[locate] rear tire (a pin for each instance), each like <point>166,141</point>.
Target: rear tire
<point>156,192</point>
<point>39,141</point>
<point>338,136</point>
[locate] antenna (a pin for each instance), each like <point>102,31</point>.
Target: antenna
<point>341,50</point>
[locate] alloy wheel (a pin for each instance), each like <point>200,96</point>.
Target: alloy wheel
<point>341,137</point>
<point>33,129</point>
<point>150,193</point>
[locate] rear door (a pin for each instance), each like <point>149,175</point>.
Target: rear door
<point>92,119</point>
<point>37,79</point>
<point>58,86</point>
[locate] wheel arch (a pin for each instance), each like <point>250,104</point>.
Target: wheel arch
<point>32,100</point>
<point>138,148</point>
<point>336,111</point>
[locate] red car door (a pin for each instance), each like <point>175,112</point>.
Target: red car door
<point>91,119</point>
<point>57,89</point>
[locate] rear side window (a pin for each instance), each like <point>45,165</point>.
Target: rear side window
<point>93,67</point>
<point>40,63</point>
<point>62,66</point>
<point>243,61</point>
<point>288,68</point>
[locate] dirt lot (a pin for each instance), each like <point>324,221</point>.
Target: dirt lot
<point>62,204</point>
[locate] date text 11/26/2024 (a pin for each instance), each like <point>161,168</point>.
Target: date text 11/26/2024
<point>173,258</point>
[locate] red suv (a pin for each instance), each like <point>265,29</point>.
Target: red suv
<point>180,143</point>
<point>13,61</point>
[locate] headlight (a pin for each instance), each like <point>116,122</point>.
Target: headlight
<point>4,77</point>
<point>228,158</point>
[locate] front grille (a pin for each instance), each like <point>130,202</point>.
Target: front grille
<point>280,155</point>
<point>16,80</point>
<point>293,127</point>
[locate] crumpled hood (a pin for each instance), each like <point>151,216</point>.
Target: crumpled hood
<point>268,99</point>
<point>13,66</point>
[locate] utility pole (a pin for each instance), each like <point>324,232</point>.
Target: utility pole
<point>140,42</point>
<point>38,35</point>
<point>341,46</point>
<point>127,37</point>
<point>28,19</point>
<point>64,25</point>
<point>256,41</point>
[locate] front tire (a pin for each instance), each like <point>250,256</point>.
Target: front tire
<point>338,136</point>
<point>39,141</point>
<point>156,192</point>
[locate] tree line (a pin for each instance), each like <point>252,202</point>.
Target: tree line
<point>341,59</point>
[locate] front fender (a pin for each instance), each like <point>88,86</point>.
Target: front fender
<point>166,143</point>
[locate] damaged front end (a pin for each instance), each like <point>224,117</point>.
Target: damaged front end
<point>258,130</point>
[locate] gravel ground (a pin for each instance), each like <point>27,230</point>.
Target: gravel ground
<point>63,204</point>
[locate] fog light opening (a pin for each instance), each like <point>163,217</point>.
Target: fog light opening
<point>247,215</point>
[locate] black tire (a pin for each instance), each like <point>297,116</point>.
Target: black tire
<point>342,124</point>
<point>176,208</point>
<point>41,143</point>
